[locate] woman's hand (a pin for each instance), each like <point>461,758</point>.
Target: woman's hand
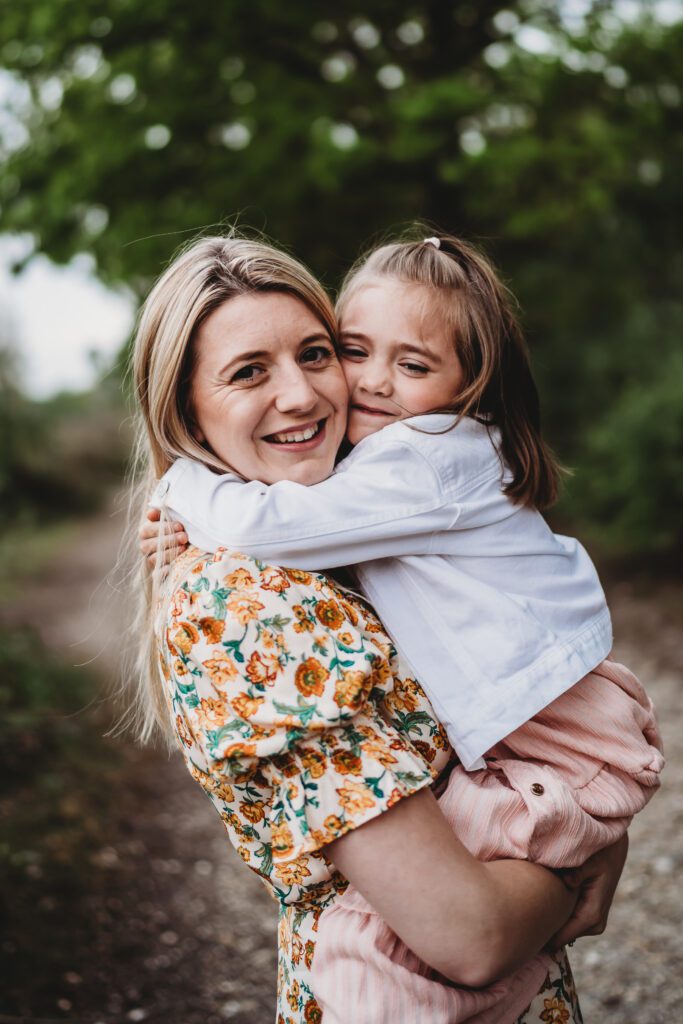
<point>160,544</point>
<point>596,882</point>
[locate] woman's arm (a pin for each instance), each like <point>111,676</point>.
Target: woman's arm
<point>473,922</point>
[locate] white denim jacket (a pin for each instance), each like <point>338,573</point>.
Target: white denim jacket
<point>496,615</point>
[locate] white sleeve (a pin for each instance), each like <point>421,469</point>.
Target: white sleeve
<point>385,504</point>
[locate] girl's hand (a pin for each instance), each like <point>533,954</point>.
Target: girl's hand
<point>596,881</point>
<point>170,538</point>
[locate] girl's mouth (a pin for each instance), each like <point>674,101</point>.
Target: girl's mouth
<point>299,439</point>
<point>370,411</point>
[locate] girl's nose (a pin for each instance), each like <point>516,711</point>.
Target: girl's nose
<point>376,379</point>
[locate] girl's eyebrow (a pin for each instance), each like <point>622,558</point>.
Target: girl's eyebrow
<point>403,347</point>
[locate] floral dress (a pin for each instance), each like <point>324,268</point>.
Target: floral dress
<point>295,716</point>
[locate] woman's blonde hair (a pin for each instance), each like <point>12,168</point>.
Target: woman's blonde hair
<point>498,388</point>
<point>209,272</point>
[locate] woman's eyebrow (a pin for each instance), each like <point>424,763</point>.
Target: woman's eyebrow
<point>244,357</point>
<point>316,336</point>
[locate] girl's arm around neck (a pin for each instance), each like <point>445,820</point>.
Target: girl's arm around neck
<point>473,922</point>
<point>386,503</point>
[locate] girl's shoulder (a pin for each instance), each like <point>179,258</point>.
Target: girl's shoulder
<point>462,452</point>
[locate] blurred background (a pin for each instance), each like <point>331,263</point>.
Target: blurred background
<point>548,131</point>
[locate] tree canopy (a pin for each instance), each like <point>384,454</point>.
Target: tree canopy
<point>551,132</point>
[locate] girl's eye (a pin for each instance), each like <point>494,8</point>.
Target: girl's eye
<point>317,354</point>
<point>248,374</point>
<point>415,368</point>
<point>351,352</point>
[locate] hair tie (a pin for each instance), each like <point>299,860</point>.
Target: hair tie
<point>436,242</point>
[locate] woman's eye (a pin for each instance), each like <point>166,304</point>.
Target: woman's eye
<point>246,374</point>
<point>415,368</point>
<point>317,354</point>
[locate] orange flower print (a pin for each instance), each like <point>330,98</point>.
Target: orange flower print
<point>245,607</point>
<point>179,668</point>
<point>299,576</point>
<point>428,753</point>
<point>347,763</point>
<point>220,787</point>
<point>274,579</point>
<point>310,677</point>
<point>355,797</point>
<point>246,706</point>
<point>333,825</point>
<point>253,810</point>
<point>286,763</point>
<point>315,762</point>
<point>212,629</point>
<point>350,689</point>
<point>303,623</point>
<point>260,670</point>
<point>329,614</point>
<point>377,748</point>
<point>184,637</point>
<point>282,839</point>
<point>293,872</point>
<point>312,1012</point>
<point>346,638</point>
<point>212,713</point>
<point>183,731</point>
<point>244,853</point>
<point>381,673</point>
<point>220,670</point>
<point>555,1012</point>
<point>309,950</point>
<point>394,797</point>
<point>350,612</point>
<point>240,578</point>
<point>239,750</point>
<point>176,608</point>
<point>440,738</point>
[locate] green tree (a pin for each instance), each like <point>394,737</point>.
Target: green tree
<point>556,138</point>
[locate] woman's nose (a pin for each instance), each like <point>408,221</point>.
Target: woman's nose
<point>296,392</point>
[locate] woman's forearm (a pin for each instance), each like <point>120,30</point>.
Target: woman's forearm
<point>470,921</point>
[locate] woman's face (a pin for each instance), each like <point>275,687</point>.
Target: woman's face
<point>268,393</point>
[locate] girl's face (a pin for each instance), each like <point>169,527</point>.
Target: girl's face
<point>398,355</point>
<point>268,393</point>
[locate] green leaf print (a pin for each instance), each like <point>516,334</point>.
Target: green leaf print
<point>277,622</point>
<point>265,855</point>
<point>304,712</point>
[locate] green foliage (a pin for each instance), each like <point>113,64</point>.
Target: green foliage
<point>59,457</point>
<point>326,127</point>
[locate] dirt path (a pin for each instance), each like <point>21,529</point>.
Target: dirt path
<point>184,934</point>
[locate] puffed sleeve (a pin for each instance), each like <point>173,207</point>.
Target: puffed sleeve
<point>276,684</point>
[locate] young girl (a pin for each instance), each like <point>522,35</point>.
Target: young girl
<point>504,623</point>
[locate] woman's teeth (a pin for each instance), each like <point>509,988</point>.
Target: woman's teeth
<point>296,435</point>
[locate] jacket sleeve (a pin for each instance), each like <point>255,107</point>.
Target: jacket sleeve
<point>387,503</point>
<point>569,781</point>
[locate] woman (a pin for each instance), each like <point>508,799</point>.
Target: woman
<point>288,699</point>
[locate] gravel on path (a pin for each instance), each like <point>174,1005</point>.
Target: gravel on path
<point>186,934</point>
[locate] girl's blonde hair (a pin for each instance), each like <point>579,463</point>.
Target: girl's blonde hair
<point>499,389</point>
<point>208,273</point>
